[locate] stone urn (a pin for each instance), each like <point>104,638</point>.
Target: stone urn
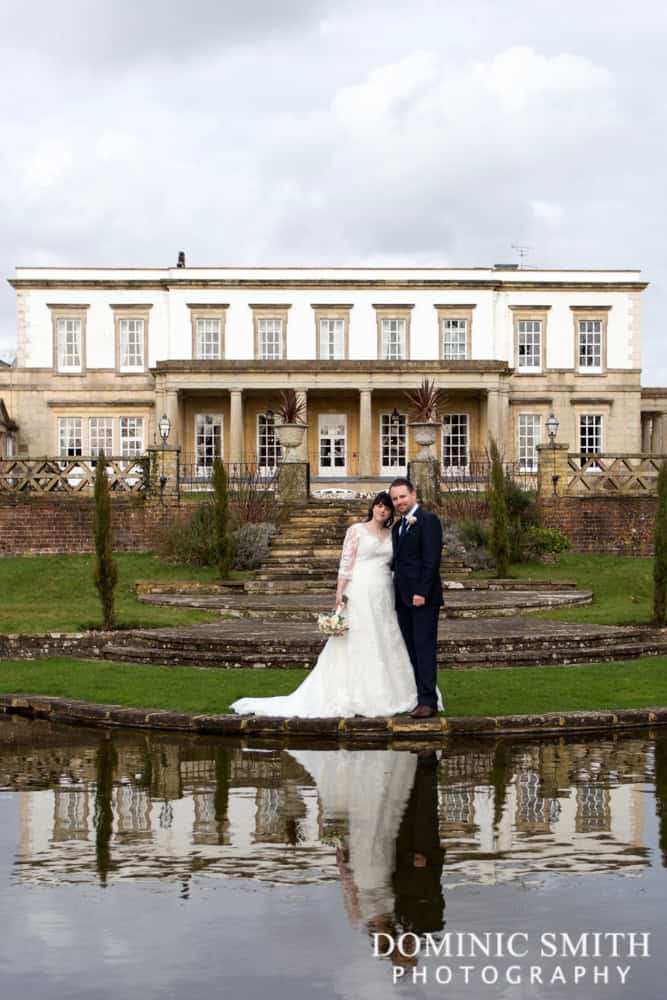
<point>290,436</point>
<point>426,435</point>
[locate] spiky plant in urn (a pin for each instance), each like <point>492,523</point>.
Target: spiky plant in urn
<point>426,402</point>
<point>290,426</point>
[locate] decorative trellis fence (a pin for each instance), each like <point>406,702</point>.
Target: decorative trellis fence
<point>71,475</point>
<point>590,475</point>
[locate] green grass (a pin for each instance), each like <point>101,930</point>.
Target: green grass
<point>622,587</point>
<point>635,684</point>
<point>57,593</point>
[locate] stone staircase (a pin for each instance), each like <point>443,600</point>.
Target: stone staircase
<point>304,555</point>
<point>489,643</point>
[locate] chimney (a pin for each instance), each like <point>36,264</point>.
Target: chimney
<point>181,259</point>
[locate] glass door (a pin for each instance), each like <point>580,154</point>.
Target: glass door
<point>393,444</point>
<point>333,444</point>
<point>269,451</point>
<point>208,442</point>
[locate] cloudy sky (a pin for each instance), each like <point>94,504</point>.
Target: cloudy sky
<point>251,132</point>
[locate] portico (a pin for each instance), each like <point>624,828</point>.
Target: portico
<point>357,414</point>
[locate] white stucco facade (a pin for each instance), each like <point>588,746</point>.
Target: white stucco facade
<point>506,346</point>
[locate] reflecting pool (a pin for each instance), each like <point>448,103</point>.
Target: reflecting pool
<point>153,865</point>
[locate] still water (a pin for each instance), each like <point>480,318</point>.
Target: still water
<point>143,865</point>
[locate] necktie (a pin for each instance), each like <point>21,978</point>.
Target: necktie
<point>404,525</point>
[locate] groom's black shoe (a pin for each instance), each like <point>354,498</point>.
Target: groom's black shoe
<point>422,712</point>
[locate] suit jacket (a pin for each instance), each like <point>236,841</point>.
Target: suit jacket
<point>416,562</point>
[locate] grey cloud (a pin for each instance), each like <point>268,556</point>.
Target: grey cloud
<point>76,32</point>
<point>225,134</point>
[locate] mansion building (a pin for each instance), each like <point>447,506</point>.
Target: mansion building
<point>103,353</point>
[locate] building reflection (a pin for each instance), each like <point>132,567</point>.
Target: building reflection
<point>131,805</point>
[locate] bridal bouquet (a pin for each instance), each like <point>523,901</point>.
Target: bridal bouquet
<point>332,623</point>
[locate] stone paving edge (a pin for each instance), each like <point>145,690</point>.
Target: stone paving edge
<point>74,712</point>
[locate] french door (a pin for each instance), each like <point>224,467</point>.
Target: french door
<point>333,444</point>
<point>208,442</point>
<point>393,444</point>
<point>269,451</point>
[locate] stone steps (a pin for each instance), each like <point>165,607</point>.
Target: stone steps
<point>459,603</point>
<point>304,585</point>
<point>490,643</point>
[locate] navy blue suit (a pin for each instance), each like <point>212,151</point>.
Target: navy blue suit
<point>416,566</point>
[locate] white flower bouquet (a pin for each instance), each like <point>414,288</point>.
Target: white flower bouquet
<point>332,622</point>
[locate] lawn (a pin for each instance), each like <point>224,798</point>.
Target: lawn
<point>635,684</point>
<point>57,593</point>
<point>622,587</point>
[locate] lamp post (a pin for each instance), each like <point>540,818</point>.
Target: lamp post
<point>552,430</point>
<point>164,426</point>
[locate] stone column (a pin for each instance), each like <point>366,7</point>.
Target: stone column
<point>658,434</point>
<point>647,421</point>
<point>497,421</point>
<point>173,410</point>
<point>365,433</point>
<point>236,449</point>
<point>552,462</point>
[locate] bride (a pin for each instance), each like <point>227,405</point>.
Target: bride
<point>367,670</point>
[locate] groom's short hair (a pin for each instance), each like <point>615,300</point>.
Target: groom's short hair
<point>402,481</point>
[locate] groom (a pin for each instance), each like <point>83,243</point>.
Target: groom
<point>417,543</point>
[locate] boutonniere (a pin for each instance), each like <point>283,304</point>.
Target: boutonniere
<point>411,520</point>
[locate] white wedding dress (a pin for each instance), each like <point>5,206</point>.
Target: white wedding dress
<point>366,671</point>
<point>368,790</point>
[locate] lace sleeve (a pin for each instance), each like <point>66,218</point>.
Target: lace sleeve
<point>349,554</point>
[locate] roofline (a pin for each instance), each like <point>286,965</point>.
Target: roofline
<point>341,267</point>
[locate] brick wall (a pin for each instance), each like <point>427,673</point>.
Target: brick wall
<point>39,525</point>
<point>623,525</point>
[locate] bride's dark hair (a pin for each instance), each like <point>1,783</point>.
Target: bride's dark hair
<point>385,500</point>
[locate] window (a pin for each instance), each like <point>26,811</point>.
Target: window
<point>131,345</point>
<point>590,344</point>
<point>332,326</point>
<point>530,338</point>
<point>270,325</point>
<point>69,344</point>
<point>269,451</point>
<point>131,325</point>
<point>332,339</point>
<point>70,436</point>
<point>393,340</point>
<point>454,338</point>
<point>590,436</point>
<point>590,338</point>
<point>270,339</point>
<point>100,435</point>
<point>393,444</point>
<point>208,442</point>
<point>455,327</point>
<point>69,337</point>
<point>530,345</point>
<point>208,339</point>
<point>208,330</point>
<point>131,436</point>
<point>454,441</point>
<point>530,434</point>
<point>393,330</point>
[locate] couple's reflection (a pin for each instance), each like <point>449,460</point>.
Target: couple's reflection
<point>389,855</point>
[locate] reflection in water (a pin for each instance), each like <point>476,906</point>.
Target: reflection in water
<point>125,805</point>
<point>107,760</point>
<point>661,794</point>
<point>358,842</point>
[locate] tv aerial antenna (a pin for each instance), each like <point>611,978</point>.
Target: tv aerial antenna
<point>522,250</point>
